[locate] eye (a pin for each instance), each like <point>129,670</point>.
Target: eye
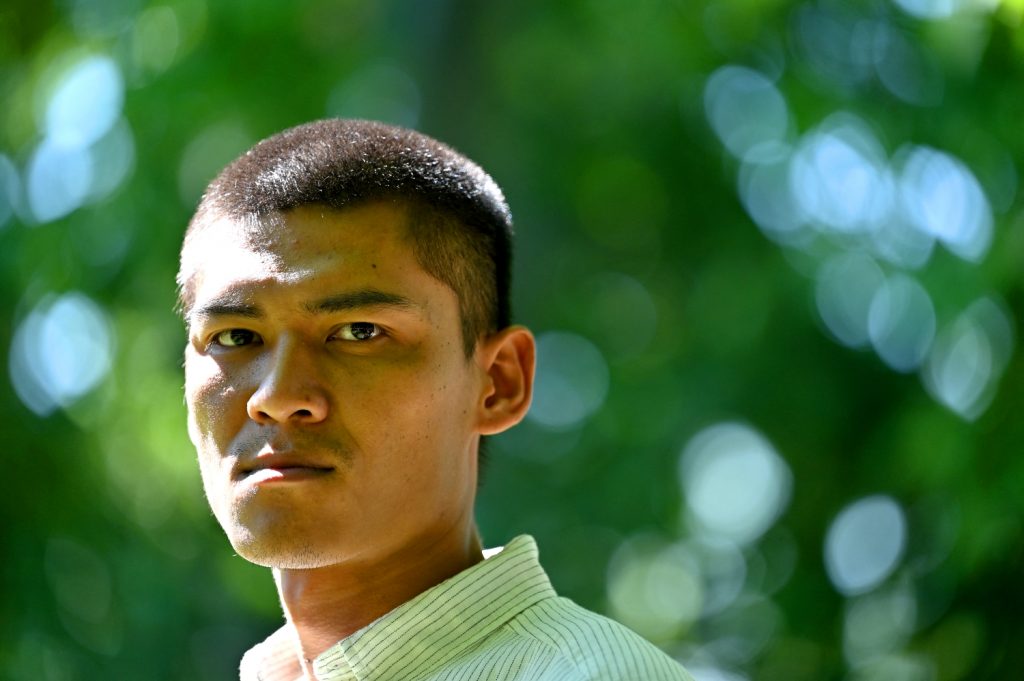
<point>359,331</point>
<point>235,338</point>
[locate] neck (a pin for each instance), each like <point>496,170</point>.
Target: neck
<point>325,605</point>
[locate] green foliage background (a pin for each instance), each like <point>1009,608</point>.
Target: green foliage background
<point>591,115</point>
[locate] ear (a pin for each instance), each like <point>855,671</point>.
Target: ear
<point>507,359</point>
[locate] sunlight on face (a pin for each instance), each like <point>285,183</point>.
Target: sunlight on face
<point>330,400</point>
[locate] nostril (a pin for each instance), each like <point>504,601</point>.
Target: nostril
<point>275,402</point>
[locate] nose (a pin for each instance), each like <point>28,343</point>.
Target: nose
<point>291,388</point>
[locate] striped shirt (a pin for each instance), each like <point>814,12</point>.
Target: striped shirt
<point>499,620</point>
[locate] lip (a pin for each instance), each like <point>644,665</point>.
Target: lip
<point>279,468</point>
<point>286,474</point>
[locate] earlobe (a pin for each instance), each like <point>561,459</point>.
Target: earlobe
<point>507,359</point>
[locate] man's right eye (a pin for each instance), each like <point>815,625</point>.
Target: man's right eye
<point>234,338</point>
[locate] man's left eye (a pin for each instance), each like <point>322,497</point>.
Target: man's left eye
<point>359,331</point>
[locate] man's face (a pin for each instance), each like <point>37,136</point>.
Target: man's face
<point>330,400</point>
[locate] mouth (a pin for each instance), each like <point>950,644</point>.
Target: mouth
<point>279,474</point>
<point>279,468</point>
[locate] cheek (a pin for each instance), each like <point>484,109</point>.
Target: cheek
<point>209,396</point>
<point>434,405</point>
<point>400,408</point>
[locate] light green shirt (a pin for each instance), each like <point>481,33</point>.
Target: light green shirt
<point>499,620</point>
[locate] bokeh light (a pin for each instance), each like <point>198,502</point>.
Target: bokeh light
<point>85,104</point>
<point>735,484</point>
<point>899,242</point>
<point>58,180</point>
<point>829,42</point>
<point>846,285</point>
<point>968,358</point>
<point>723,569</point>
<point>878,624</point>
<point>572,380</point>
<point>655,587</point>
<point>701,672</point>
<point>931,9</point>
<point>737,636</point>
<point>944,199</point>
<point>835,195</point>
<point>79,157</point>
<point>764,188</point>
<point>865,543</point>
<point>745,109</point>
<point>61,351</point>
<point>112,158</point>
<point>906,69</point>
<point>101,18</point>
<point>156,39</point>
<point>901,322</point>
<point>901,666</point>
<point>839,177</point>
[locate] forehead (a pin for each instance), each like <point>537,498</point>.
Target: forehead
<point>306,237</point>
<point>310,244</point>
<point>369,225</point>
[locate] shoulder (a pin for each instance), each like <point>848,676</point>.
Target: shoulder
<point>599,648</point>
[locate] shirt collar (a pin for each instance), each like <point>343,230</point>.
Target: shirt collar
<point>423,633</point>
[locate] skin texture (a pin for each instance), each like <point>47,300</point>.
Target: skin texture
<point>335,414</point>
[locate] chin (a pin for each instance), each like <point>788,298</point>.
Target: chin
<point>283,553</point>
<point>277,538</point>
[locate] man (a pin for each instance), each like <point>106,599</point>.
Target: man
<point>345,286</point>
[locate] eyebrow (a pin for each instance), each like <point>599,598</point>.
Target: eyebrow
<point>359,299</point>
<point>226,307</point>
<point>231,306</point>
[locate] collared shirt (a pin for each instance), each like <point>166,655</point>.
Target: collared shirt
<point>499,620</point>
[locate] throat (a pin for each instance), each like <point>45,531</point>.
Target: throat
<point>328,604</point>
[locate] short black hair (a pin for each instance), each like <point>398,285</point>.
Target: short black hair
<point>459,222</point>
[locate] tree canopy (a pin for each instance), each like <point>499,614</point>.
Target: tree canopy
<point>772,252</point>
